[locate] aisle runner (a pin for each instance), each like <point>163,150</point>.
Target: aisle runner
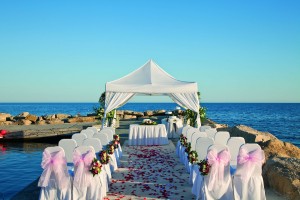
<point>150,172</point>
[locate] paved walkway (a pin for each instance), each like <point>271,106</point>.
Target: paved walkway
<point>150,172</point>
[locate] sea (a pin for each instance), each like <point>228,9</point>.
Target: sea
<point>20,162</point>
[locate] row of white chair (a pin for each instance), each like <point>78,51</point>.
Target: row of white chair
<point>57,183</point>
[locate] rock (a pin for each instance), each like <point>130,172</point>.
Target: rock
<point>5,117</point>
<point>23,114</point>
<point>128,112</point>
<point>62,116</point>
<point>120,112</point>
<point>277,147</point>
<point>41,122</point>
<point>138,114</point>
<point>283,175</point>
<point>129,117</point>
<point>32,118</point>
<point>7,123</point>
<point>251,135</point>
<point>40,119</point>
<point>49,117</point>
<point>23,122</point>
<point>54,121</point>
<point>92,115</point>
<point>159,112</point>
<point>81,119</point>
<point>148,113</point>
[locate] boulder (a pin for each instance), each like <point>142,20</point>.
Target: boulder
<point>8,123</point>
<point>23,114</point>
<point>62,116</point>
<point>41,122</point>
<point>251,135</point>
<point>129,117</point>
<point>32,118</point>
<point>53,121</point>
<point>23,122</point>
<point>148,113</point>
<point>120,112</point>
<point>283,175</point>
<point>92,115</point>
<point>5,117</point>
<point>275,147</point>
<point>80,119</point>
<point>128,112</point>
<point>40,119</point>
<point>138,114</point>
<point>2,118</point>
<point>159,112</point>
<point>49,117</point>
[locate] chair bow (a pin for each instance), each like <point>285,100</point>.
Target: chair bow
<point>82,162</point>
<point>217,161</point>
<point>249,160</point>
<point>55,164</point>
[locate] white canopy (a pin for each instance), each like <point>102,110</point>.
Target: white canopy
<point>150,79</point>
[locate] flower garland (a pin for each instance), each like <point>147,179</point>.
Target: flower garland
<point>110,148</point>
<point>95,167</point>
<point>104,157</point>
<point>204,167</point>
<point>188,148</point>
<point>183,140</point>
<point>193,157</point>
<point>116,141</point>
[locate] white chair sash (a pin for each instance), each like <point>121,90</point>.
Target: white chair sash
<point>217,161</point>
<point>82,163</point>
<point>54,164</point>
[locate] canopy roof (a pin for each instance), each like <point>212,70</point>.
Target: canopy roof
<point>150,79</point>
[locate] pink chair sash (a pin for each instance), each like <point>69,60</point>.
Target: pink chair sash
<point>217,161</point>
<point>55,164</point>
<point>248,160</point>
<point>82,163</point>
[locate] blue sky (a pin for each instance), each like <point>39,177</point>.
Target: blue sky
<point>65,51</point>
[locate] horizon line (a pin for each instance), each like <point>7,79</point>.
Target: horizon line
<point>145,102</point>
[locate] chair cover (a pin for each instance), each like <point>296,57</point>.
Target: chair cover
<point>94,129</point>
<point>222,137</point>
<point>195,136</point>
<point>217,184</point>
<point>211,132</point>
<point>109,132</point>
<point>110,128</point>
<point>68,145</point>
<point>79,137</point>
<point>234,144</point>
<point>89,132</point>
<point>55,181</point>
<point>203,128</point>
<point>85,185</point>
<point>103,138</point>
<point>247,180</point>
<point>178,146</point>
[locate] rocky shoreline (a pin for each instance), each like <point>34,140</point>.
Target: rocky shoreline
<point>281,170</point>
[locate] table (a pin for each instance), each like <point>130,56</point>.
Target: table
<point>173,126</point>
<point>148,135</point>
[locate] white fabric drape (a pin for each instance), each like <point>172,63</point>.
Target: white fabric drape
<point>114,100</point>
<point>188,100</point>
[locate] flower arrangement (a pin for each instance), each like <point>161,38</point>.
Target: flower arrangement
<point>117,137</point>
<point>116,141</point>
<point>193,157</point>
<point>188,147</point>
<point>204,167</point>
<point>104,157</point>
<point>110,148</point>
<point>183,140</point>
<point>148,122</point>
<point>95,167</point>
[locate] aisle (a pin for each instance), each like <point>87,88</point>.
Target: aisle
<point>150,172</point>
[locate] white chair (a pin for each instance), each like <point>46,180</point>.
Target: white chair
<point>103,138</point>
<point>79,137</point>
<point>195,136</point>
<point>211,132</point>
<point>85,185</point>
<point>202,145</point>
<point>247,180</point>
<point>189,135</point>
<point>234,144</point>
<point>68,145</point>
<point>110,128</point>
<point>222,137</point>
<point>178,146</point>
<point>109,133</point>
<point>96,144</point>
<point>94,129</point>
<point>203,128</point>
<point>88,133</point>
<point>55,181</point>
<point>218,183</point>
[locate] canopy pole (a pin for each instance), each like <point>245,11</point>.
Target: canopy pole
<point>104,120</point>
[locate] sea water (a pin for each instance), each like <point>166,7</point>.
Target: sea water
<point>20,163</point>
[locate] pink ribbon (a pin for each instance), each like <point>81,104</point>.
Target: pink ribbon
<point>54,164</point>
<point>248,160</point>
<point>217,161</point>
<point>82,163</point>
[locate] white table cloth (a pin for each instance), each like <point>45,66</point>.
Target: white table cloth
<point>148,135</point>
<point>173,126</point>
